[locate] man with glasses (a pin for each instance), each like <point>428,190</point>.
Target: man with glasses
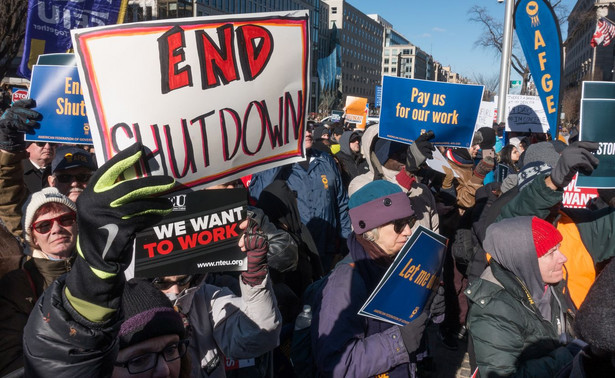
<point>37,167</point>
<point>71,170</point>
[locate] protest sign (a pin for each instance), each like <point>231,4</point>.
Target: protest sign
<point>486,114</point>
<point>49,23</point>
<point>410,107</point>
<point>525,114</point>
<point>439,163</point>
<point>401,294</point>
<point>212,98</point>
<point>200,235</point>
<point>59,99</point>
<point>596,125</point>
<point>356,111</point>
<point>18,94</point>
<point>541,40</point>
<point>575,197</point>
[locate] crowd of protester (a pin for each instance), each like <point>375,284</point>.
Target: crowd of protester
<point>526,282</point>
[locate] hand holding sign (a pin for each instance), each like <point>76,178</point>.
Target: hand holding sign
<point>16,121</point>
<point>255,243</point>
<point>419,151</point>
<point>575,158</point>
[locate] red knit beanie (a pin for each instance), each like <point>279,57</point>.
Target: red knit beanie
<point>545,236</point>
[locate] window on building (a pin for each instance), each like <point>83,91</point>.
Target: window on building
<point>386,60</point>
<point>334,10</point>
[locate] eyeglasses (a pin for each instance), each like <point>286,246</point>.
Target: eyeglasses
<point>43,144</point>
<point>149,361</point>
<point>64,220</point>
<point>80,177</point>
<point>161,284</point>
<point>400,224</point>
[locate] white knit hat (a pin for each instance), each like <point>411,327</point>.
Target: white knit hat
<point>40,198</point>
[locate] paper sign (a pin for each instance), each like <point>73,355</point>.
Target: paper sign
<point>410,107</point>
<point>401,294</point>
<point>597,115</point>
<point>576,197</point>
<point>525,113</point>
<point>439,162</point>
<point>200,235</point>
<point>59,99</point>
<point>356,111</point>
<point>213,98</point>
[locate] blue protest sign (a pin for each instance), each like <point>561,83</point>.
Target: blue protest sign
<point>401,294</point>
<point>59,99</point>
<point>540,38</point>
<point>410,107</point>
<point>597,114</point>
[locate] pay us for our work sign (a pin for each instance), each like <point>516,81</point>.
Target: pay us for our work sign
<point>200,235</point>
<point>212,98</point>
<point>411,107</point>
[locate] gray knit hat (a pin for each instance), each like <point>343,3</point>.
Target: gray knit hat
<point>39,199</point>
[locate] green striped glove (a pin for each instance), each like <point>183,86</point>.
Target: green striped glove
<point>110,212</point>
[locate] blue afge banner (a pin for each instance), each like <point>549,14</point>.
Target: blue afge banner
<point>49,23</point>
<point>541,41</point>
<point>410,107</point>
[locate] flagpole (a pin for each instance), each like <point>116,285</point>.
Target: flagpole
<point>505,62</point>
<point>593,63</point>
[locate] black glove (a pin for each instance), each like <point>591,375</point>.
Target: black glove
<point>110,212</point>
<point>16,121</point>
<point>419,151</point>
<point>412,332</point>
<point>484,166</point>
<point>575,158</point>
<point>256,245</point>
<point>437,305</point>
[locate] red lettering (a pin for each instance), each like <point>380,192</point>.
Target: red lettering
<point>171,50</point>
<point>189,241</point>
<point>150,249</point>
<point>205,237</point>
<point>218,234</point>
<point>255,49</point>
<point>231,231</point>
<point>164,247</point>
<point>217,61</point>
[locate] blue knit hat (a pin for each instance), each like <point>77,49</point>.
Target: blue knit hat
<point>376,204</point>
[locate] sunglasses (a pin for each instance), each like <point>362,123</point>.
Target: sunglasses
<point>160,284</point>
<point>43,144</point>
<point>66,178</point>
<point>400,224</point>
<point>64,220</point>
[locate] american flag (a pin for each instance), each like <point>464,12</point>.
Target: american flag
<point>605,31</point>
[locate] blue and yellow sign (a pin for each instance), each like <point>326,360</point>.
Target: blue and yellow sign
<point>541,41</point>
<point>410,107</point>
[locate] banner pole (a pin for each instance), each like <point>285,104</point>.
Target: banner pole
<point>505,62</point>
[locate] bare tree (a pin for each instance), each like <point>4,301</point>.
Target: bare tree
<point>492,38</point>
<point>12,31</point>
<point>491,84</point>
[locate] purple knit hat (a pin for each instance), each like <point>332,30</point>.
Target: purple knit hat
<point>376,204</point>
<point>148,313</point>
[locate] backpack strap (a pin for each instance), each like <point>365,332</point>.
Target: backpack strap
<point>31,281</point>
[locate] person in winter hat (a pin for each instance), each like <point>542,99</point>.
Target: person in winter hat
<point>520,318</point>
<point>345,343</point>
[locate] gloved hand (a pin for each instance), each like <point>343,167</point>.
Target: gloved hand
<point>437,305</point>
<point>419,151</point>
<point>484,166</point>
<point>16,121</point>
<point>255,243</point>
<point>412,332</point>
<point>405,179</point>
<point>110,212</point>
<point>575,158</point>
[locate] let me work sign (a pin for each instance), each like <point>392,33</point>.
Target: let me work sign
<point>213,98</point>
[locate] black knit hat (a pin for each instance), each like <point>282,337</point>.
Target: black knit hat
<point>594,321</point>
<point>148,313</point>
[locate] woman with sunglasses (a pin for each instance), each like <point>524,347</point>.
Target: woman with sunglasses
<point>350,345</point>
<point>51,231</point>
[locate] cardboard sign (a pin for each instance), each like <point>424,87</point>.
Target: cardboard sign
<point>539,36</point>
<point>410,107</point>
<point>597,115</point>
<point>401,294</point>
<point>525,113</point>
<point>576,197</point>
<point>200,235</point>
<point>213,98</point>
<point>356,111</point>
<point>59,99</point>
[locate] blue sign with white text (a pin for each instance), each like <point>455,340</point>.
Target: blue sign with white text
<point>411,107</point>
<point>59,99</point>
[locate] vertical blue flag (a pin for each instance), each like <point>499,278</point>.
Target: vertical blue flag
<point>541,41</point>
<point>49,23</point>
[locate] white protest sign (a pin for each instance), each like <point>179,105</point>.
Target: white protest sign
<point>485,115</point>
<point>212,98</point>
<point>525,113</point>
